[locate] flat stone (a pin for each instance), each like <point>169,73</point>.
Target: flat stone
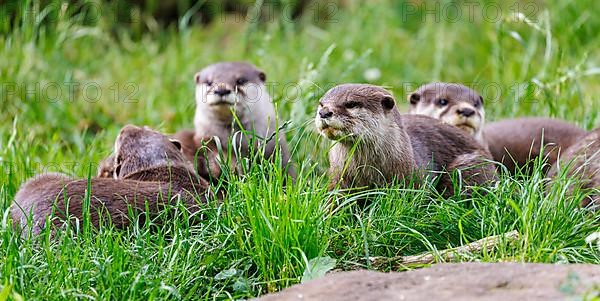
<point>462,281</point>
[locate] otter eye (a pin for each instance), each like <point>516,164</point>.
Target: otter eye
<point>442,102</point>
<point>240,81</point>
<point>208,82</point>
<point>351,104</point>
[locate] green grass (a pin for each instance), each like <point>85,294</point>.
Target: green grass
<point>260,238</point>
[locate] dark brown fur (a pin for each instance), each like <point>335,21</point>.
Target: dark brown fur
<point>202,152</point>
<point>390,145</point>
<point>582,161</point>
<point>149,171</point>
<point>516,142</point>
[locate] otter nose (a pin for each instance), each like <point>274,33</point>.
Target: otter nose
<point>222,91</point>
<point>325,113</point>
<point>466,112</point>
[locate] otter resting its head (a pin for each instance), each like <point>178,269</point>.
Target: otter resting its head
<point>138,148</point>
<point>453,104</point>
<point>227,86</point>
<point>351,111</point>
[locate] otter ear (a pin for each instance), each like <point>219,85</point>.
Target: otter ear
<point>481,99</point>
<point>176,143</point>
<point>118,163</point>
<point>388,102</point>
<point>414,98</point>
<point>197,77</point>
<point>117,171</point>
<point>262,76</point>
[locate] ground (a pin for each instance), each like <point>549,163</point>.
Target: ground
<point>465,281</point>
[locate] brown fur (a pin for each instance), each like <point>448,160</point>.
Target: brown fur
<point>149,171</point>
<point>583,162</point>
<point>248,98</point>
<point>203,153</point>
<point>516,142</point>
<point>393,146</point>
<point>454,104</point>
<point>106,167</point>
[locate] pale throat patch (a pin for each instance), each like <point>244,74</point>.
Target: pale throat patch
<point>329,128</point>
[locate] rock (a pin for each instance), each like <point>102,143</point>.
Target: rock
<point>464,281</point>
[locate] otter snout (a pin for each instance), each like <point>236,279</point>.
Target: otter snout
<point>219,94</point>
<point>465,112</point>
<point>222,91</point>
<point>328,124</point>
<point>465,117</point>
<point>325,113</point>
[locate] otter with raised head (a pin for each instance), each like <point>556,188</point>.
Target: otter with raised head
<point>516,142</point>
<point>454,104</point>
<point>582,161</point>
<point>375,144</point>
<point>512,142</point>
<point>149,171</point>
<point>232,104</point>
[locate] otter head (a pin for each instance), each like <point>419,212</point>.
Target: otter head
<point>138,148</point>
<point>229,86</point>
<point>453,104</point>
<point>351,111</point>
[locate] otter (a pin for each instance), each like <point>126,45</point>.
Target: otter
<point>203,152</point>
<point>149,170</point>
<point>512,142</point>
<point>582,160</point>
<point>232,104</point>
<point>516,142</point>
<point>106,167</point>
<point>382,145</point>
<point>454,104</point>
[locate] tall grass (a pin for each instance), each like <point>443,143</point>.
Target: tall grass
<point>260,237</point>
